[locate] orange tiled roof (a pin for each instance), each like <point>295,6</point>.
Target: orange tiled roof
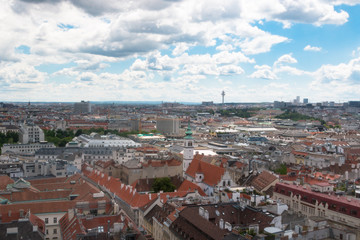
<point>11,212</point>
<point>4,181</point>
<point>127,192</point>
<point>189,186</point>
<point>212,173</point>
<point>263,180</point>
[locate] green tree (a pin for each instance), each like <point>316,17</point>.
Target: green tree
<point>163,184</point>
<point>282,170</point>
<point>78,132</point>
<point>9,137</point>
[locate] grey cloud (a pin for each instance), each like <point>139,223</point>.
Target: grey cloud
<point>86,79</point>
<point>151,27</point>
<point>156,5</point>
<point>129,48</point>
<point>186,38</point>
<point>88,66</point>
<point>97,8</point>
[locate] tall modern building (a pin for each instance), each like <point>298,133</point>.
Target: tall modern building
<point>168,126</point>
<point>354,104</point>
<point>82,107</point>
<point>305,100</point>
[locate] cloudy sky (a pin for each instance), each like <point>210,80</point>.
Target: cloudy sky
<point>179,50</point>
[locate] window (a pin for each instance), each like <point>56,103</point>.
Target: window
<point>47,231</point>
<point>46,220</point>
<point>55,220</point>
<point>55,231</point>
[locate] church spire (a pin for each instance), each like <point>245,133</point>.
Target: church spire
<point>188,154</point>
<point>188,132</point>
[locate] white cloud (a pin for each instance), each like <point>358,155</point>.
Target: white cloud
<point>84,38</point>
<point>311,48</point>
<point>287,58</point>
<point>180,49</point>
<point>263,71</point>
<point>261,43</point>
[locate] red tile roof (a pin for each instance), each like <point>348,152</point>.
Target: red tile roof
<point>28,195</point>
<point>335,203</point>
<point>263,180</point>
<point>212,173</point>
<point>4,181</point>
<point>127,192</point>
<point>11,212</point>
<point>189,186</point>
<point>36,221</point>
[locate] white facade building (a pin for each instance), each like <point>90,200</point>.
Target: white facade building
<point>31,134</point>
<point>95,140</point>
<point>25,148</point>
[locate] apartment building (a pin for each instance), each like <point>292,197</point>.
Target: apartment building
<point>343,212</point>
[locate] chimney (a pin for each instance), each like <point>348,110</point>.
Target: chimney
<point>21,213</point>
<point>70,214</point>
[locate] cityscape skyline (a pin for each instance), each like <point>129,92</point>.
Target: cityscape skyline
<point>259,51</point>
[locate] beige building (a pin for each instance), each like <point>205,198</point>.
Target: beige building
<point>133,170</point>
<point>342,213</point>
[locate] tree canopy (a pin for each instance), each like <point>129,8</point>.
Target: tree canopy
<point>9,137</point>
<point>163,184</point>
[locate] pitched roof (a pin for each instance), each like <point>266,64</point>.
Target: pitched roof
<point>263,180</point>
<point>127,192</point>
<point>189,186</point>
<point>11,212</point>
<point>4,181</point>
<point>212,173</point>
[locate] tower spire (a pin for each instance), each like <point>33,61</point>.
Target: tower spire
<point>188,154</point>
<point>188,132</point>
<point>223,96</point>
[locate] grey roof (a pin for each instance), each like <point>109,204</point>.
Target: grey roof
<point>24,231</point>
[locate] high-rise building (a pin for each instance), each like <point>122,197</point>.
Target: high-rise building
<point>82,107</point>
<point>305,100</point>
<point>210,103</point>
<point>354,103</point>
<point>168,126</point>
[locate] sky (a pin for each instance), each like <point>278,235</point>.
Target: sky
<point>179,50</point>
